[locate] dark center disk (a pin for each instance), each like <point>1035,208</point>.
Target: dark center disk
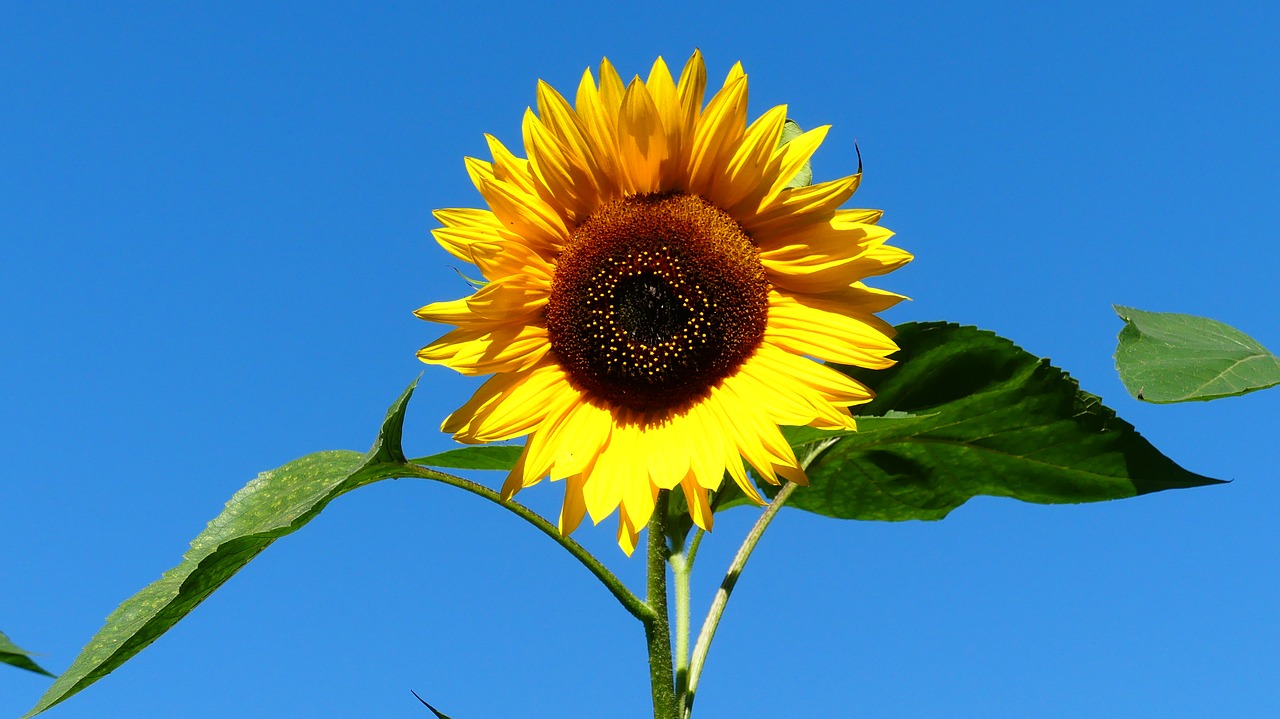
<point>647,309</point>
<point>655,300</point>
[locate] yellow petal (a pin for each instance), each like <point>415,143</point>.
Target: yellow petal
<point>601,130</point>
<point>514,481</point>
<point>666,453</point>
<point>758,440</point>
<point>745,171</point>
<point>710,450</point>
<point>464,227</point>
<point>574,507</point>
<point>833,386</point>
<point>506,167</point>
<point>736,74</point>
<point>832,272</point>
<point>500,257</point>
<point>508,348</point>
<point>788,160</point>
<point>692,87</point>
<point>797,206</point>
<point>563,178</point>
<point>628,536</point>
<point>602,490</point>
<point>662,89</point>
<point>638,500</point>
<point>783,398</point>
<point>699,507</point>
<point>720,129</point>
<point>565,125</point>
<point>525,214</point>
<point>611,90</point>
<point>721,418</point>
<point>813,326</point>
<point>515,298</point>
<point>642,141</point>
<point>544,446</point>
<point>508,405</point>
<point>840,235</point>
<point>570,437</point>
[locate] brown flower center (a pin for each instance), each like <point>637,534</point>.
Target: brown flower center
<point>656,299</point>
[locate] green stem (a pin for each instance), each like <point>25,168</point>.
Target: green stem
<point>657,629</point>
<point>682,568</point>
<point>638,609</point>
<point>722,595</point>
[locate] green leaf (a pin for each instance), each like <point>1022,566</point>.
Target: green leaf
<point>790,131</point>
<point>991,419</point>
<point>275,504</point>
<point>11,653</point>
<point>1164,357</point>
<point>485,456</point>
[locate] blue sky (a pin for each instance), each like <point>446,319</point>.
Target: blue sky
<point>215,225</point>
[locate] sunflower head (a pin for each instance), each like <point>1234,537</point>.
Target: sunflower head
<point>658,289</point>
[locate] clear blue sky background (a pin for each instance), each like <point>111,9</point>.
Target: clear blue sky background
<point>214,224</point>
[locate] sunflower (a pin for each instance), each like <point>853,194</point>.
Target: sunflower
<point>657,290</point>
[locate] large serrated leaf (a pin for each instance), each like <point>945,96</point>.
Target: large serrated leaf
<point>1166,357</point>
<point>990,419</point>
<point>14,655</point>
<point>275,504</point>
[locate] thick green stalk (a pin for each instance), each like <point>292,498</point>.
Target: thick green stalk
<point>657,629</point>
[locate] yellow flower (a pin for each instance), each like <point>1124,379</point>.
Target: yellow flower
<point>655,291</point>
